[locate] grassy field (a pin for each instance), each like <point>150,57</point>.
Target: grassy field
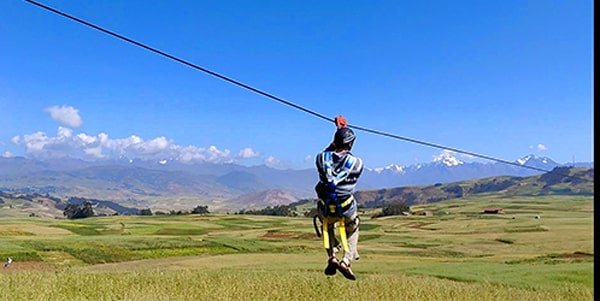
<point>456,254</point>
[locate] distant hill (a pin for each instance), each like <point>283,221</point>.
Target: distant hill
<point>20,204</point>
<point>262,199</point>
<point>242,181</point>
<point>137,179</point>
<point>554,182</point>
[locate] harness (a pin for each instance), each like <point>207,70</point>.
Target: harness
<point>335,176</point>
<point>332,213</point>
<point>338,208</point>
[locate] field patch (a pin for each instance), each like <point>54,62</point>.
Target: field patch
<point>30,229</point>
<point>556,258</point>
<point>180,231</point>
<point>274,234</point>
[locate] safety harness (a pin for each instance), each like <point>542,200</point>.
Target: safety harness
<point>332,208</point>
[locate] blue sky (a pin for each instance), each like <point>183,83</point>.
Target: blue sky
<point>502,78</point>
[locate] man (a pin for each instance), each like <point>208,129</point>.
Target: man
<point>338,173</point>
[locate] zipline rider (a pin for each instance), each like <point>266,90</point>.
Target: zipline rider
<point>338,173</point>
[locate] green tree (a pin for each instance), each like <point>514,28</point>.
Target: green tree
<point>146,212</point>
<point>393,209</point>
<point>200,210</point>
<point>73,211</point>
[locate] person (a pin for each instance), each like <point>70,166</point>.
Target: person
<point>8,262</point>
<point>339,171</point>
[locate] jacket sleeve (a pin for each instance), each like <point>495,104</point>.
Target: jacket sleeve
<point>320,167</point>
<point>320,187</point>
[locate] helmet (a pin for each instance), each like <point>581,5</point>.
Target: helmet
<point>343,137</point>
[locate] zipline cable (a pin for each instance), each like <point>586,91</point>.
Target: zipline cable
<point>279,99</point>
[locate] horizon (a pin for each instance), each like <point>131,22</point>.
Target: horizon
<point>487,78</point>
<point>370,168</point>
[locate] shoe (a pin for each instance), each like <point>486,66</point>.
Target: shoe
<point>332,266</point>
<point>346,270</point>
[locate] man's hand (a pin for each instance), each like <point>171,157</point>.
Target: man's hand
<point>340,122</point>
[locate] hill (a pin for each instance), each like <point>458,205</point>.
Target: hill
<point>559,181</point>
<point>37,205</point>
<point>255,200</point>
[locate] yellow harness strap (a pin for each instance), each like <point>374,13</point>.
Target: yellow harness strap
<point>325,233</point>
<point>342,228</point>
<point>343,234</point>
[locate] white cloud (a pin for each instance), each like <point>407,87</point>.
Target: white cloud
<point>540,147</point>
<point>85,146</point>
<point>191,153</point>
<point>95,152</point>
<point>36,142</point>
<point>307,158</point>
<point>247,153</point>
<point>64,132</point>
<point>272,161</point>
<point>7,154</point>
<point>66,115</point>
<point>86,139</point>
<point>214,154</point>
<point>103,138</point>
<point>155,145</point>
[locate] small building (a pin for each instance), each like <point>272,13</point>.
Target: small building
<point>492,211</point>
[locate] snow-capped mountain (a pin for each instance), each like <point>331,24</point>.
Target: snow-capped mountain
<point>447,159</point>
<point>447,168</point>
<point>392,168</point>
<point>538,162</point>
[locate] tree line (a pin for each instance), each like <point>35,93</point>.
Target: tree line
<point>86,209</point>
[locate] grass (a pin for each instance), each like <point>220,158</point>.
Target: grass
<point>244,285</point>
<point>458,255</point>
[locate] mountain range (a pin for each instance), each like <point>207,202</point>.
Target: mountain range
<point>137,182</point>
<point>559,181</point>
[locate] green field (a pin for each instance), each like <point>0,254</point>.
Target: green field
<point>456,254</point>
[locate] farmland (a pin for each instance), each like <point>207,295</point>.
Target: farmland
<point>539,248</point>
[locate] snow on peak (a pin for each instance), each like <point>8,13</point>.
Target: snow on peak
<point>162,162</point>
<point>394,168</point>
<point>530,157</point>
<point>447,158</point>
<point>526,159</point>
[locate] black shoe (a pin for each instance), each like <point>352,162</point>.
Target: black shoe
<point>332,266</point>
<point>346,270</point>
